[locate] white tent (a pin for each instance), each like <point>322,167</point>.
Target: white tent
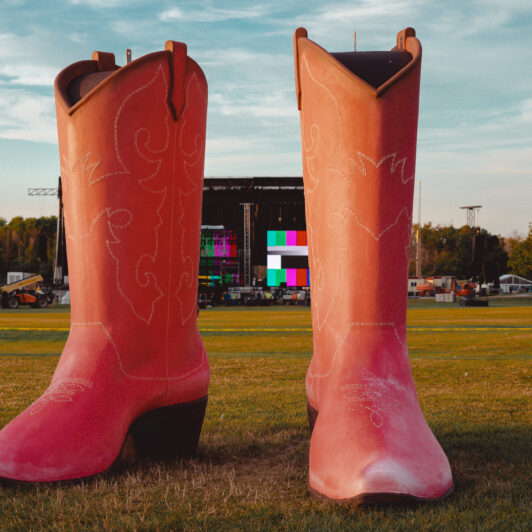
<point>514,283</point>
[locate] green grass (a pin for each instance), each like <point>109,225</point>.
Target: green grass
<point>251,468</point>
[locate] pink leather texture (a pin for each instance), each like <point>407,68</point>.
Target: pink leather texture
<point>370,441</point>
<point>132,156</point>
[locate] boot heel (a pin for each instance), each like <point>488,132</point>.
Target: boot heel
<point>170,431</point>
<point>312,416</point>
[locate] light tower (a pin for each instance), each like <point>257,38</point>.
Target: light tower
<point>471,211</point>
<point>471,214</point>
<point>60,263</point>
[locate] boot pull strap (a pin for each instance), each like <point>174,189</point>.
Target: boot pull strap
<point>106,60</point>
<point>298,34</point>
<point>403,35</point>
<point>178,63</point>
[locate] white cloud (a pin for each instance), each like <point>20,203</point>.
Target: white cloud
<point>25,74</point>
<point>218,146</point>
<point>259,111</point>
<point>484,131</point>
<point>375,22</point>
<point>364,9</point>
<point>525,113</point>
<point>100,3</point>
<point>277,104</point>
<point>229,57</point>
<point>213,14</point>
<point>10,45</point>
<point>172,14</point>
<point>258,163</point>
<point>25,115</point>
<point>78,37</point>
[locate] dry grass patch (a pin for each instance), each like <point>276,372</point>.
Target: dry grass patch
<point>251,468</point>
<point>470,316</point>
<point>37,318</point>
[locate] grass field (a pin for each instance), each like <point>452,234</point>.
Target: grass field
<point>472,371</point>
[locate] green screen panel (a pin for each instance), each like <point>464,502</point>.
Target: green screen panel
<point>271,278</point>
<point>275,277</point>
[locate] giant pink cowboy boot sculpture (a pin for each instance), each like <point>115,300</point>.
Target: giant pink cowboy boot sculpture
<point>131,143</point>
<point>370,442</point>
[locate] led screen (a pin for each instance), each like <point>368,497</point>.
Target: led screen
<point>218,243</point>
<point>219,264</point>
<point>287,258</point>
<point>222,279</point>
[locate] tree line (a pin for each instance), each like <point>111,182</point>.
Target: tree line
<point>28,244</point>
<point>470,253</point>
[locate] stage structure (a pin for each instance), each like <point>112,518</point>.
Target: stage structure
<point>252,212</point>
<point>242,218</point>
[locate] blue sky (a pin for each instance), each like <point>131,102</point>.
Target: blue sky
<point>475,129</point>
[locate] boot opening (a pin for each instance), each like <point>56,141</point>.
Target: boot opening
<point>374,68</point>
<point>82,85</point>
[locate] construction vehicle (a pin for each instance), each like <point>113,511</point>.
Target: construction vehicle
<point>464,288</point>
<point>469,292</point>
<point>426,289</point>
<point>27,291</point>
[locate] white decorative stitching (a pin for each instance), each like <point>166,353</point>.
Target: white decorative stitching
<point>310,188</point>
<point>115,221</point>
<point>142,279</point>
<point>119,358</point>
<point>82,161</point>
<point>62,391</point>
<point>358,395</point>
<point>394,164</point>
<point>199,144</point>
<point>115,127</point>
<point>148,275</point>
<point>342,341</point>
<point>305,63</point>
<point>170,254</point>
<point>378,236</point>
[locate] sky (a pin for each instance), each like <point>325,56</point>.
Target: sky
<point>475,123</point>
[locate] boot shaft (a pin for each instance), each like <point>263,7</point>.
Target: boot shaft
<point>132,154</point>
<point>359,150</point>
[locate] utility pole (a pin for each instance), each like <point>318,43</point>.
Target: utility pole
<point>418,234</point>
<point>60,240</point>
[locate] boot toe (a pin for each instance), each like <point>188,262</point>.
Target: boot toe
<point>390,476</point>
<point>353,459</point>
<point>384,480</point>
<point>32,452</point>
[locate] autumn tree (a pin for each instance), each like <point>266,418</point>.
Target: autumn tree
<point>464,252</point>
<point>27,244</point>
<point>520,260</point>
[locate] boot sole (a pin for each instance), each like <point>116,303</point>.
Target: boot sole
<point>369,498</point>
<point>164,433</point>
